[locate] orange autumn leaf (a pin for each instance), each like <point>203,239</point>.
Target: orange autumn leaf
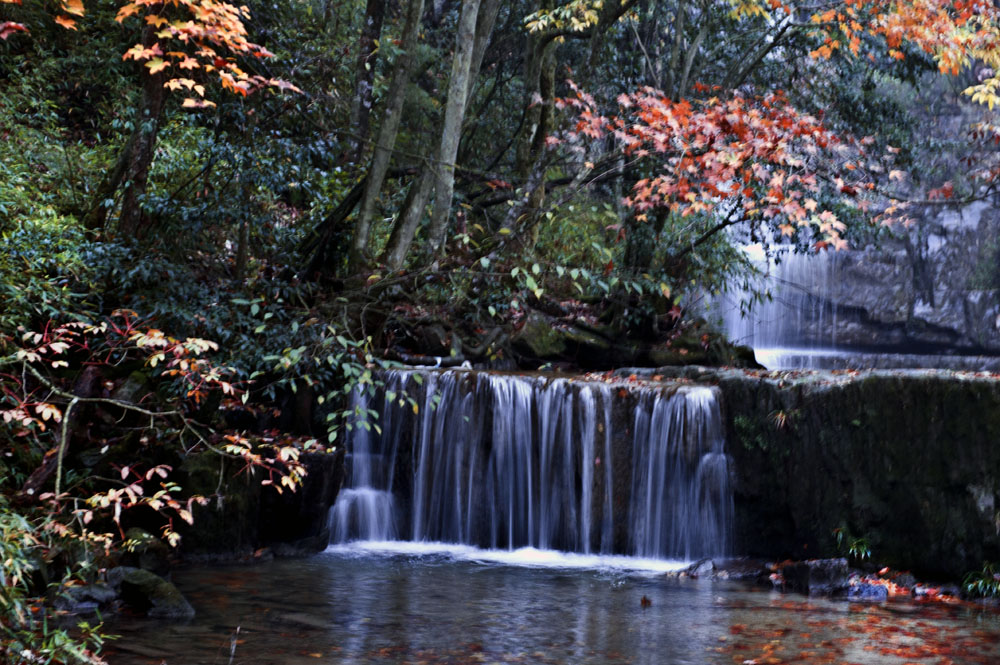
<point>126,11</point>
<point>157,65</point>
<point>211,38</point>
<point>66,22</point>
<point>191,103</point>
<point>74,7</point>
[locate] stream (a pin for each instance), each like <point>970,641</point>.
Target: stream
<point>416,603</point>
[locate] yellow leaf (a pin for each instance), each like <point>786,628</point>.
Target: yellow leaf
<point>157,65</point>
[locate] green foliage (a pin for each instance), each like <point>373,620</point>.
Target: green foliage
<point>42,272</point>
<point>983,583</point>
<point>856,547</point>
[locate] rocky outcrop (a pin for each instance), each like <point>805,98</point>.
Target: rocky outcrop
<point>931,288</point>
<point>817,577</point>
<point>934,287</point>
<point>574,345</point>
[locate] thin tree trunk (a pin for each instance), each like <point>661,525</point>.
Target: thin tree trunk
<point>451,132</point>
<point>104,197</point>
<point>387,133</point>
<point>484,29</point>
<point>143,148</point>
<point>421,189</point>
<point>364,78</point>
<point>243,241</point>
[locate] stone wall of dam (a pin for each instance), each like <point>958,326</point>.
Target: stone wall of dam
<point>671,463</point>
<point>908,460</point>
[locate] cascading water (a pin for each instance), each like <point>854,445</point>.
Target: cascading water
<point>797,327</point>
<point>507,461</point>
<point>681,505</point>
<point>853,310</point>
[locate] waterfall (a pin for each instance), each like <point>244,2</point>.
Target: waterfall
<point>681,506</point>
<point>797,327</point>
<point>505,461</point>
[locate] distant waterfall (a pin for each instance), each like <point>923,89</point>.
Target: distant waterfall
<point>797,327</point>
<point>506,461</point>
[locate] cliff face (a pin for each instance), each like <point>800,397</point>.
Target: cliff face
<point>933,287</point>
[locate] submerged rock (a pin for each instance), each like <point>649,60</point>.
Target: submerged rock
<point>149,593</point>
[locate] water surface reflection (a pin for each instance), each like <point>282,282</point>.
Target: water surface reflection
<point>371,605</point>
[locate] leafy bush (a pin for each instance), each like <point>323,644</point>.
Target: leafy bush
<point>29,543</point>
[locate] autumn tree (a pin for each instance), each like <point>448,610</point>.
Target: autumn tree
<point>185,44</point>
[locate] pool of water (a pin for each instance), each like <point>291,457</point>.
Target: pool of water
<point>395,604</point>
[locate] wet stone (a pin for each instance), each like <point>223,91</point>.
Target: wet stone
<point>817,577</point>
<point>868,592</point>
<point>150,593</point>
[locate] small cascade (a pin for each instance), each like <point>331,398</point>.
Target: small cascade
<point>507,461</point>
<point>681,506</point>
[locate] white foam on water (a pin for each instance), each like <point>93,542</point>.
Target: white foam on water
<point>529,557</point>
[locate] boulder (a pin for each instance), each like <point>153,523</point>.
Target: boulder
<point>701,568</point>
<point>147,592</point>
<point>817,577</point>
<point>540,336</point>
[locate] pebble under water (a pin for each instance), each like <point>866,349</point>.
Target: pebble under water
<point>413,603</point>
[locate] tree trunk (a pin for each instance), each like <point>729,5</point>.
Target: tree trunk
<point>364,78</point>
<point>104,197</point>
<point>387,133</point>
<point>454,114</point>
<point>143,148</point>
<point>413,208</point>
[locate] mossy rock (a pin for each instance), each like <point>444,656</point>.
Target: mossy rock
<point>148,592</point>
